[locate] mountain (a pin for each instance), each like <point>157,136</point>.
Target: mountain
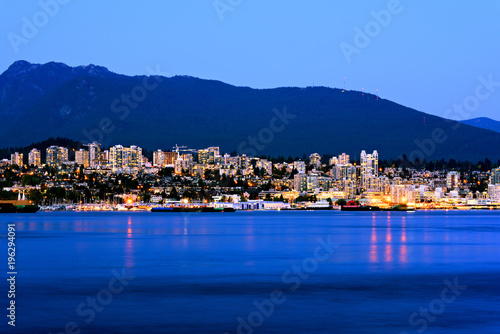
<point>484,123</point>
<point>86,103</point>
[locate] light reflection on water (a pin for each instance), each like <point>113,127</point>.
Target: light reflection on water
<point>199,272</point>
<point>403,255</point>
<point>373,241</point>
<point>394,237</point>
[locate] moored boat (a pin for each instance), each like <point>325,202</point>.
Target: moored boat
<point>320,205</point>
<point>353,206</point>
<point>359,208</point>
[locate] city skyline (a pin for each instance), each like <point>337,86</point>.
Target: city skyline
<point>309,180</point>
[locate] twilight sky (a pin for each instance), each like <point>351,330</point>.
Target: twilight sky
<point>428,55</point>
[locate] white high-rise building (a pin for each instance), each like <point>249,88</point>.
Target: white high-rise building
<point>494,192</point>
<point>117,157</point>
<point>305,182</point>
<point>183,163</point>
<point>315,160</point>
<point>403,194</point>
<point>266,165</point>
<point>158,158</point>
<point>135,157</point>
<point>82,157</point>
<point>34,157</point>
<point>16,159</point>
<point>369,167</point>
<point>162,159</point>
<point>300,166</point>
<point>333,161</point>
<point>125,157</point>
<point>56,155</point>
<point>344,159</point>
<point>94,154</point>
<point>208,155</point>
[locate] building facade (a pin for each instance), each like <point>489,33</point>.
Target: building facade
<point>56,155</point>
<point>305,182</point>
<point>16,159</point>
<point>35,157</point>
<point>121,158</point>
<point>209,155</point>
<point>82,157</point>
<point>452,180</point>
<point>315,160</point>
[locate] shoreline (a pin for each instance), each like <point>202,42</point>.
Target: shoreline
<point>287,210</point>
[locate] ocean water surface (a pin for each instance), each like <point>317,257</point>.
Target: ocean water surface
<point>255,272</point>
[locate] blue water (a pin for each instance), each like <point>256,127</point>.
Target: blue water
<point>255,272</point>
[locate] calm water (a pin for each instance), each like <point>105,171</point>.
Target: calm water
<point>256,272</point>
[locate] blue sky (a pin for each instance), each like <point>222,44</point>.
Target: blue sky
<point>427,55</point>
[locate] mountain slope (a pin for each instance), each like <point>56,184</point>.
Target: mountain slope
<point>51,100</point>
<point>484,123</point>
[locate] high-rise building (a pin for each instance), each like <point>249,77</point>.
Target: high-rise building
<point>266,165</point>
<point>162,159</point>
<point>135,157</point>
<point>494,192</point>
<point>495,176</point>
<point>300,166</point>
<point>348,186</point>
<point>333,161</point>
<point>125,157</point>
<point>315,160</point>
<point>344,159</point>
<point>208,155</point>
<point>229,160</point>
<point>104,158</point>
<point>16,159</point>
<point>344,172</point>
<point>370,162</point>
<point>56,155</point>
<point>452,180</point>
<point>94,154</point>
<point>203,156</point>
<point>82,158</point>
<point>117,157</point>
<point>369,167</point>
<point>34,157</point>
<point>158,158</point>
<point>244,161</point>
<point>305,182</point>
<point>169,158</point>
<point>184,162</point>
<point>403,194</point>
